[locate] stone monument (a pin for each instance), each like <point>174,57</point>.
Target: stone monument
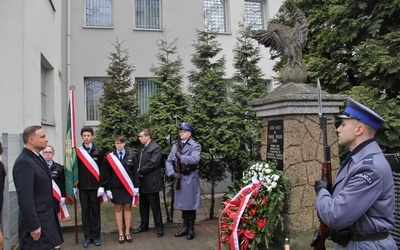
<point>291,135</point>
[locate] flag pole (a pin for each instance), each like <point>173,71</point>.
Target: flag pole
<point>71,164</point>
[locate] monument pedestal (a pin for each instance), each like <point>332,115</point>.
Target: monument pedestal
<point>293,139</point>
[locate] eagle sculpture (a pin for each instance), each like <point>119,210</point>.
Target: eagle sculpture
<point>285,40</point>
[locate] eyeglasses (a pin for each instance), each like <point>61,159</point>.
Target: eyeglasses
<point>47,152</point>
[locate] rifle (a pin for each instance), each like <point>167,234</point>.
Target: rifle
<point>179,166</point>
<point>178,161</point>
<point>321,233</point>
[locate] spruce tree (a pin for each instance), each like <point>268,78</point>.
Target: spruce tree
<point>247,85</point>
<point>211,112</point>
<point>355,43</point>
<point>118,104</point>
<point>168,106</point>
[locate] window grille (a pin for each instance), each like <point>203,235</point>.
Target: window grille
<point>253,13</point>
<point>99,13</point>
<point>94,91</point>
<point>215,16</point>
<point>145,88</point>
<point>147,14</point>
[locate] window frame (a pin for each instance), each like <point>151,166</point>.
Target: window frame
<point>105,25</point>
<point>47,113</point>
<point>143,98</point>
<point>95,98</point>
<point>262,10</point>
<point>146,25</point>
<point>208,24</point>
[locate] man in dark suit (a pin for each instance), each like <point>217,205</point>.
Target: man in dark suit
<point>150,183</point>
<point>38,225</point>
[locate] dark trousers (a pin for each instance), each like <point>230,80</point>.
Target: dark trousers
<point>189,214</point>
<point>90,205</point>
<point>145,202</point>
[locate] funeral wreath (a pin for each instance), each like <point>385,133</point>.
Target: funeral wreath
<point>253,208</point>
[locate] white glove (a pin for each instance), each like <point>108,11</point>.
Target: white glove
<point>136,191</point>
<point>100,192</point>
<point>109,194</point>
<point>75,193</point>
<point>62,201</point>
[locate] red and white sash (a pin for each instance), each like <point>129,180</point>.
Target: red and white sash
<point>123,176</point>
<point>91,165</point>
<point>63,214</point>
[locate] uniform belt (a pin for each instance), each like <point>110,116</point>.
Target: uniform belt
<point>356,236</point>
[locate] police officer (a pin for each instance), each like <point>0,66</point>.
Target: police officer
<point>359,209</point>
<point>188,198</point>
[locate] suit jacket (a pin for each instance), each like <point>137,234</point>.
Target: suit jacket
<point>32,181</point>
<point>58,175</point>
<point>111,179</point>
<point>86,179</point>
<point>150,167</point>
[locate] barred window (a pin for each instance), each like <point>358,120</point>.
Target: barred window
<point>93,91</point>
<point>147,14</point>
<point>253,13</point>
<point>47,91</point>
<point>215,16</point>
<point>145,88</point>
<point>99,13</point>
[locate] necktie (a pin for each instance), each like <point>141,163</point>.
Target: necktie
<point>87,149</point>
<point>120,156</point>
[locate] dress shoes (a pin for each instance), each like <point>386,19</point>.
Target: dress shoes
<point>139,230</point>
<point>190,236</point>
<point>97,242</point>
<point>182,232</point>
<point>160,233</point>
<point>86,243</point>
<point>128,238</point>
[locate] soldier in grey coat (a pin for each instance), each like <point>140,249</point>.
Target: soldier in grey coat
<point>359,208</point>
<point>188,198</point>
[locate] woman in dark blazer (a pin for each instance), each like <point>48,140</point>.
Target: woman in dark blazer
<point>116,190</point>
<point>38,225</point>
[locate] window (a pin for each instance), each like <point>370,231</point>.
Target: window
<point>93,90</point>
<point>147,14</point>
<point>253,14</point>
<point>145,88</point>
<point>215,16</point>
<point>99,13</point>
<point>47,91</point>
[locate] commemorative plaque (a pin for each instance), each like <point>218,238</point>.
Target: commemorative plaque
<point>275,143</point>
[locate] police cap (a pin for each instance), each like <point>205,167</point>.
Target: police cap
<point>187,126</point>
<point>355,110</point>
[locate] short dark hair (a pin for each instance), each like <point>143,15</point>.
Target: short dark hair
<point>1,148</point>
<point>87,129</point>
<point>146,132</point>
<point>120,138</point>
<point>29,132</point>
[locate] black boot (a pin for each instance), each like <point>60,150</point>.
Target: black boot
<point>184,230</point>
<point>190,234</point>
